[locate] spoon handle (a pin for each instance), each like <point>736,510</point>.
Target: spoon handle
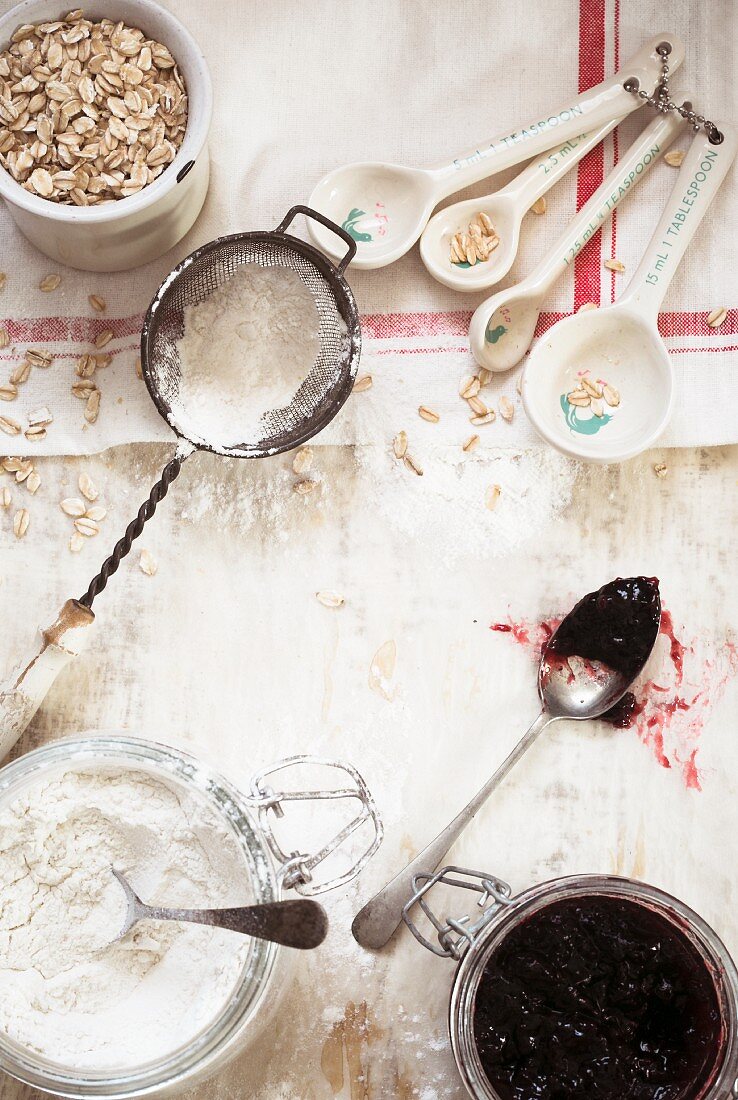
<point>548,168</point>
<point>600,104</point>
<point>375,924</point>
<point>298,922</point>
<point>703,170</point>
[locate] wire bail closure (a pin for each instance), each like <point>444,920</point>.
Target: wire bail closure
<point>296,868</point>
<point>456,935</point>
<point>661,101</point>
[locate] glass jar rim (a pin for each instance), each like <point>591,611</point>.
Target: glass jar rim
<point>469,971</point>
<point>99,747</point>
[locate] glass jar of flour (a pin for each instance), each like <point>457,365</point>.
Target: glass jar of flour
<point>82,1014</point>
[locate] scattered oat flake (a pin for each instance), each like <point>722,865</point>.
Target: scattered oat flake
<point>399,444</point>
<point>330,599</point>
<point>33,482</point>
<point>507,409</point>
<point>96,513</point>
<point>491,496</point>
<point>6,497</point>
<point>486,418</point>
<point>137,365</point>
<point>675,157</point>
<point>87,527</point>
<point>660,469</point>
<point>103,338</point>
<point>147,563</point>
<point>614,265</point>
<point>471,443</point>
<point>49,282</point>
<point>428,414</point>
<point>539,206</point>
<point>611,395</point>
<point>98,304</point>
<point>412,464</point>
<point>73,506</point>
<point>35,434</point>
<point>3,279</point>
<point>76,542</point>
<point>302,461</point>
<point>305,487</point>
<point>87,487</point>
<point>21,519</point>
<point>9,426</point>
<point>4,338</point>
<point>40,416</point>
<point>587,306</point>
<point>717,317</point>
<point>362,383</point>
<point>92,407</point>
<point>8,392</point>
<point>470,386</point>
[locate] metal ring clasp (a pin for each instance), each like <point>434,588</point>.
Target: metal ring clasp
<point>455,935</point>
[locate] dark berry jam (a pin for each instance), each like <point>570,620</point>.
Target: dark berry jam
<point>599,998</point>
<point>617,625</point>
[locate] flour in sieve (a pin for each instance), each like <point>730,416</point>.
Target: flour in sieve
<point>66,991</point>
<point>246,350</point>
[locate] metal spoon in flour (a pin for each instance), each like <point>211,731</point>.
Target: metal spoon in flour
<point>586,667</point>
<point>297,922</point>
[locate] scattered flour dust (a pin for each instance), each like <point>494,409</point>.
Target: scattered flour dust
<point>446,506</point>
<point>245,351</point>
<point>68,993</point>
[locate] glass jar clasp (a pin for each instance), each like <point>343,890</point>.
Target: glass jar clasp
<point>456,935</point>
<point>296,867</point>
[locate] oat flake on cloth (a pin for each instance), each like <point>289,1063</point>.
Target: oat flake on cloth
<point>298,92</point>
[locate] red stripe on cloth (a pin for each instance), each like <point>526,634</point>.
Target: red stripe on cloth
<point>591,170</point>
<point>375,326</point>
<point>615,147</point>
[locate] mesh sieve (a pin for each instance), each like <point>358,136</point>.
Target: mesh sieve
<point>317,400</point>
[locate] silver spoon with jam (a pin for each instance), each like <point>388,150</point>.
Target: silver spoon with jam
<point>586,669</point>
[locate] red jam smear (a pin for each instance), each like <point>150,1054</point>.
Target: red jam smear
<point>601,998</point>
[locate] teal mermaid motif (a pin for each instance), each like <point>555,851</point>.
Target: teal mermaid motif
<point>492,335</point>
<point>582,427</point>
<point>351,222</point>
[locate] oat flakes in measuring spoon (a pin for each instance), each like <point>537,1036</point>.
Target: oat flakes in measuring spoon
<point>600,385</point>
<point>385,207</point>
<point>503,326</point>
<point>471,245</point>
<point>216,407</point>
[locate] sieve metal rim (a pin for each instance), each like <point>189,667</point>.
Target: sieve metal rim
<point>345,301</point>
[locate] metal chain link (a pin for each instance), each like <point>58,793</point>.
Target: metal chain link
<point>661,101</point>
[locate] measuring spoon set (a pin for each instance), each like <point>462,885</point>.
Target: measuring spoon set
<point>387,208</point>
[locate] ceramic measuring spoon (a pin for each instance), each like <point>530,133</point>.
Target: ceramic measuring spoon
<point>505,210</point>
<point>503,326</point>
<point>385,207</point>
<point>599,385</point>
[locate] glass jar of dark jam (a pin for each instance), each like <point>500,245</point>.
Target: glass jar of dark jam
<point>590,988</point>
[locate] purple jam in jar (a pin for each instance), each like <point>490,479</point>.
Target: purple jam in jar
<point>598,997</point>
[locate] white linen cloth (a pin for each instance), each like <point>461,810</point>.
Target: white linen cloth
<point>300,90</point>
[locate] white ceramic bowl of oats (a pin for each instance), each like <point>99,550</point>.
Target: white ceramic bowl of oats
<point>147,107</point>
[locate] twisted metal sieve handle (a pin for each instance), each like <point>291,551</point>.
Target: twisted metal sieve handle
<point>132,532</point>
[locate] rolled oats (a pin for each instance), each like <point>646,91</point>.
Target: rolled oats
<point>90,112</point>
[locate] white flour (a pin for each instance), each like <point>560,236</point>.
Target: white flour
<point>245,351</point>
<point>66,992</point>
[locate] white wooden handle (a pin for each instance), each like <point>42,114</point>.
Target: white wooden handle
<point>26,688</point>
<point>703,170</point>
<point>588,111</point>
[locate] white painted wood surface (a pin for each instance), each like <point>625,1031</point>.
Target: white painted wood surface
<point>227,651</point>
